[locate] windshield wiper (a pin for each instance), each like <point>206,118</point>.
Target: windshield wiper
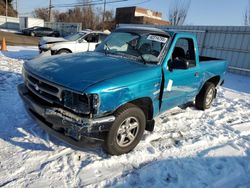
<point>138,52</point>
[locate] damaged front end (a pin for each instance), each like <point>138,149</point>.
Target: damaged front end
<point>66,114</point>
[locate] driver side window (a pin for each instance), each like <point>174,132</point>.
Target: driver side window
<point>92,38</point>
<point>184,50</point>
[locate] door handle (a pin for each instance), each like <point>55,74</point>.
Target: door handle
<point>196,74</point>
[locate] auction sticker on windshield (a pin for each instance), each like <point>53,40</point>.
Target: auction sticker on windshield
<point>157,38</point>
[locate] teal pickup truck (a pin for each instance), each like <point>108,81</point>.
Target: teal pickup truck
<point>114,93</point>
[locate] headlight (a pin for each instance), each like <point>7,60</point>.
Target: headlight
<point>81,103</point>
<point>47,46</point>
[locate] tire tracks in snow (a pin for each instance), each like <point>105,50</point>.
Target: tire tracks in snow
<point>28,169</point>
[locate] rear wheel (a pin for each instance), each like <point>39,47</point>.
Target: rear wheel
<point>126,131</point>
<point>205,98</point>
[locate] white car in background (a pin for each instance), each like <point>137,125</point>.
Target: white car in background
<point>79,42</point>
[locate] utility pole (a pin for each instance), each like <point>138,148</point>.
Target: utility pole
<point>17,8</point>
<point>84,14</point>
<point>6,13</point>
<point>103,16</point>
<point>83,5</point>
<point>50,7</point>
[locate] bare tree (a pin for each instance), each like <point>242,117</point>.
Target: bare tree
<point>178,12</point>
<point>11,11</point>
<point>109,20</point>
<point>85,13</point>
<point>247,15</point>
<point>41,13</point>
<point>109,15</point>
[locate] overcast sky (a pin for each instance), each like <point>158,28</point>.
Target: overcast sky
<point>201,12</point>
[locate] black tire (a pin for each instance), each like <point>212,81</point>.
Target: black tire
<point>63,51</point>
<point>112,145</point>
<point>201,101</point>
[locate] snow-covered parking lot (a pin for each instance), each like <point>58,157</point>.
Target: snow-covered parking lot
<point>189,148</point>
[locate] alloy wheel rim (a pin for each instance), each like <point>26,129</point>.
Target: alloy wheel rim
<point>209,97</point>
<point>127,131</point>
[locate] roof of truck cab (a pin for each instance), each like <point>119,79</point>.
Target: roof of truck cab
<point>145,30</point>
<point>91,31</point>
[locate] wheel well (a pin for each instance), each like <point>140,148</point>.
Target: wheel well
<point>215,80</point>
<point>65,49</point>
<point>146,105</point>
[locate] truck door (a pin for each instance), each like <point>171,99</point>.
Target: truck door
<point>81,45</point>
<point>38,31</point>
<point>181,79</point>
<point>88,43</point>
<point>92,40</point>
<point>47,31</point>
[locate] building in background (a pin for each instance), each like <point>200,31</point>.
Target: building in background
<point>137,15</point>
<point>28,22</point>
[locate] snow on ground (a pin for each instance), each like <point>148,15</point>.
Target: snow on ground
<point>21,52</point>
<point>10,31</point>
<point>189,148</point>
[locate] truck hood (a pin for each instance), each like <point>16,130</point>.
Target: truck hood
<point>50,40</point>
<point>81,70</point>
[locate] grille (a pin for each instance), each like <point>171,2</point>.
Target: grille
<point>43,89</point>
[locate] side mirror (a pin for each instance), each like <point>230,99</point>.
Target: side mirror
<point>81,41</point>
<point>178,64</point>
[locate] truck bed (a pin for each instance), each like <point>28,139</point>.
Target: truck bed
<point>213,66</point>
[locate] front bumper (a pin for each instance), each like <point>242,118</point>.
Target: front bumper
<point>63,124</point>
<point>41,50</point>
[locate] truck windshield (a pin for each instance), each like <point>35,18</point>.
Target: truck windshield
<point>75,36</point>
<point>145,48</point>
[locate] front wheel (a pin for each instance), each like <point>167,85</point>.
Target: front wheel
<point>32,34</point>
<point>63,51</point>
<point>205,98</point>
<point>126,131</point>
